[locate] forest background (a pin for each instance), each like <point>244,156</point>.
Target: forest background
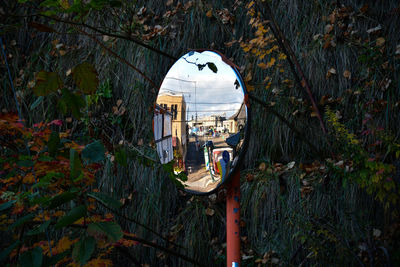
<point>80,180</point>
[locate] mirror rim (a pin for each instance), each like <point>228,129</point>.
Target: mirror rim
<point>243,150</point>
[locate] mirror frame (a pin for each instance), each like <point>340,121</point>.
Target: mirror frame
<point>243,150</point>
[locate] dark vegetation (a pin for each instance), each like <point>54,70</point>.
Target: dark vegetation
<point>80,182</point>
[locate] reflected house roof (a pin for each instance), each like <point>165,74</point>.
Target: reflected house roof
<point>171,98</point>
<point>240,114</point>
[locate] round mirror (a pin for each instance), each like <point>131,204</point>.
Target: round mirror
<point>201,120</point>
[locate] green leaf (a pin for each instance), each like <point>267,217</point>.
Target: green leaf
<point>4,254</point>
<point>121,157</point>
<point>93,152</point>
<point>115,3</point>
<point>45,181</point>
<point>106,200</point>
<point>75,164</point>
<point>6,205</point>
<point>25,163</point>
<point>71,101</point>
<point>83,250</point>
<point>47,261</point>
<point>40,229</point>
<point>212,67</point>
<point>111,229</point>
<point>36,103</point>
<point>33,258</point>
<point>21,221</point>
<point>61,199</point>
<point>85,77</point>
<point>46,83</point>
<point>71,217</point>
<point>53,143</point>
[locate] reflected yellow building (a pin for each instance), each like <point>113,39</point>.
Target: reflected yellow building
<point>175,103</point>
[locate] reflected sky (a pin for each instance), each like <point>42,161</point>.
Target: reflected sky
<point>206,93</point>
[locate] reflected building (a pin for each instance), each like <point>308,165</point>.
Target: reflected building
<point>237,121</point>
<point>175,103</point>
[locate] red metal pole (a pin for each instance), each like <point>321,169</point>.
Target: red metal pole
<point>233,222</point>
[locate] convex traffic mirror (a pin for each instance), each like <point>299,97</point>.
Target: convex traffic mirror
<point>201,120</point>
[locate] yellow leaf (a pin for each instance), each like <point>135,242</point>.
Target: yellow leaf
<point>246,49</point>
<point>262,65</point>
<point>271,63</point>
<point>380,41</point>
<point>347,74</point>
<point>250,4</point>
<point>210,212</point>
<point>249,76</point>
<point>209,13</point>
<point>64,4</point>
<point>268,85</point>
<point>64,244</point>
<point>249,87</point>
<point>29,179</point>
<point>282,56</point>
<point>99,262</point>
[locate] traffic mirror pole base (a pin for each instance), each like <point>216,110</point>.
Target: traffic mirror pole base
<point>233,222</point>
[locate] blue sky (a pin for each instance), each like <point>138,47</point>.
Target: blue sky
<point>206,93</point>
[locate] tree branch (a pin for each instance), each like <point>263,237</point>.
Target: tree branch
<point>293,62</point>
<point>125,37</point>
<point>288,123</point>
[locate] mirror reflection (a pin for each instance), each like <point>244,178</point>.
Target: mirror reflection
<point>200,118</point>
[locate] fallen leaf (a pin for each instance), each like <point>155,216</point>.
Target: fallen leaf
<point>262,65</point>
<point>262,166</point>
<point>374,30</point>
<point>210,212</point>
<point>119,102</point>
<point>332,71</point>
<point>347,74</point>
<point>290,165</point>
<point>380,41</point>
<point>376,232</point>
<point>397,49</point>
<point>328,28</point>
<point>209,13</point>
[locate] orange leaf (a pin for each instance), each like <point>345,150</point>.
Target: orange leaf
<point>262,65</point>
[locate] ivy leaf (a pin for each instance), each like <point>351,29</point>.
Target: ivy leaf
<point>93,152</point>
<point>75,164</point>
<point>36,103</point>
<point>6,205</point>
<point>25,163</point>
<point>7,251</point>
<point>40,229</point>
<point>21,221</point>
<point>33,258</point>
<point>111,229</point>
<point>53,143</point>
<point>121,157</point>
<point>61,199</point>
<point>71,217</point>
<point>51,261</point>
<point>83,250</point>
<point>71,101</point>
<point>106,200</point>
<point>85,77</point>
<point>212,67</point>
<point>46,83</point>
